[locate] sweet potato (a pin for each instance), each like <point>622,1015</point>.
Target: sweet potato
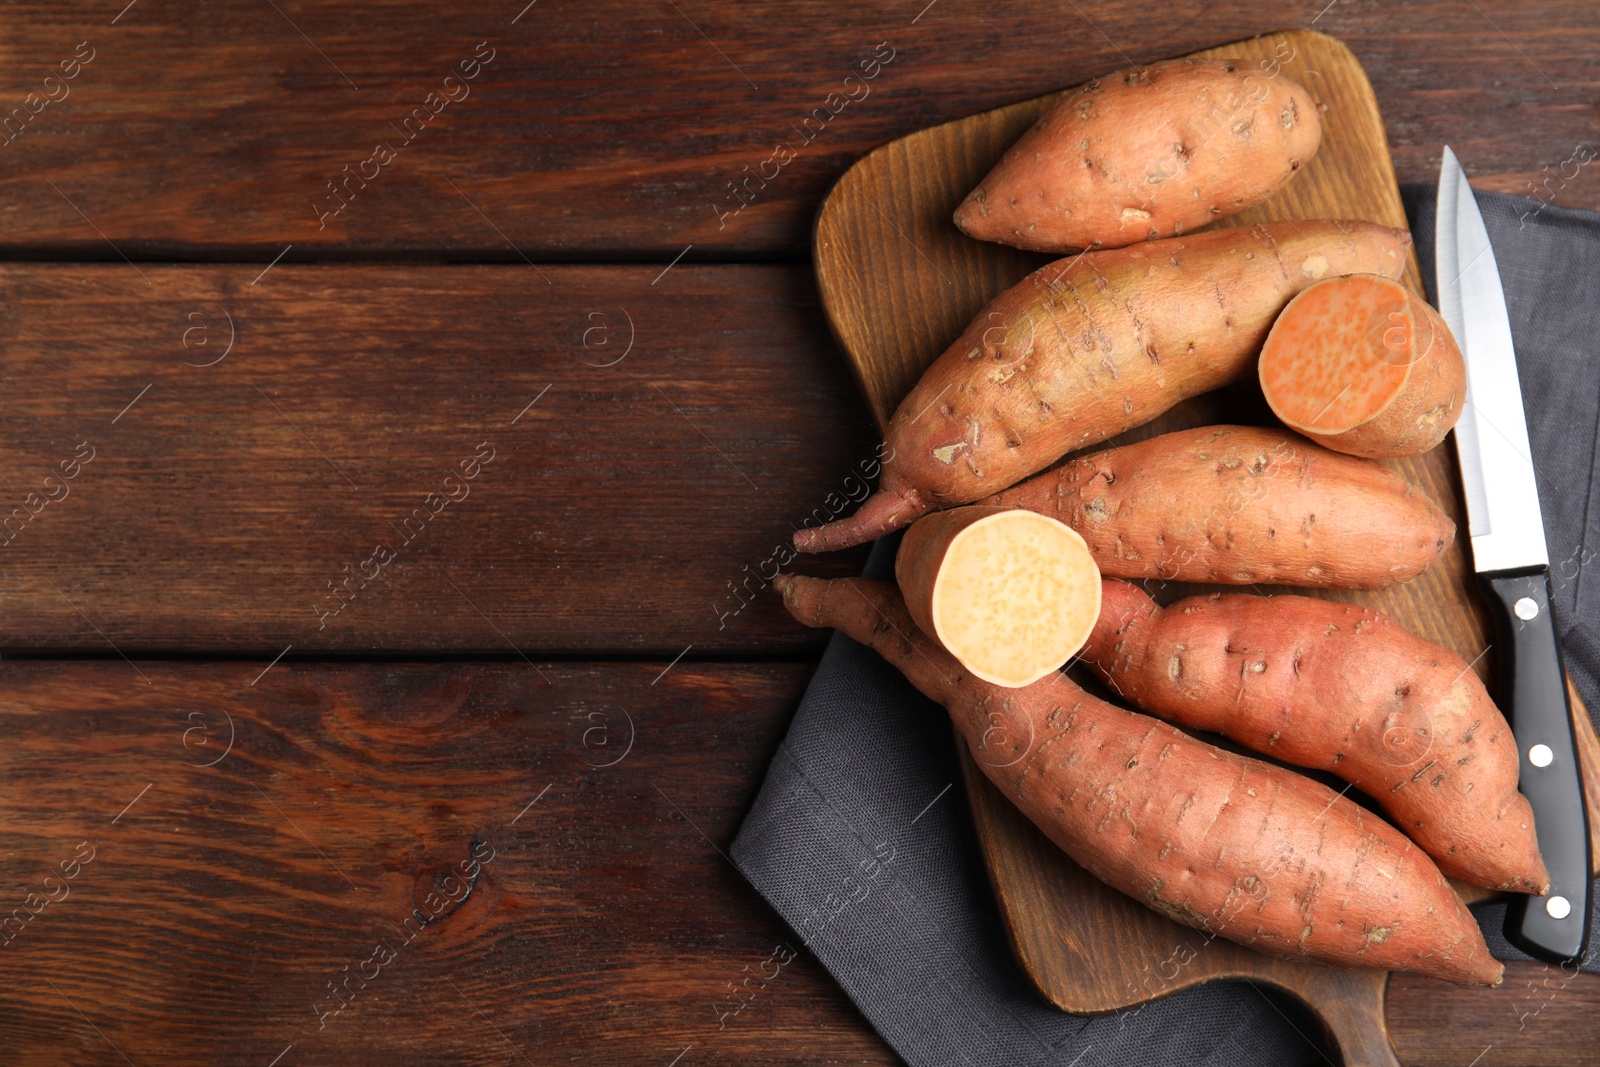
<point>1218,841</point>
<point>1237,504</point>
<point>1010,593</point>
<point>1363,365</point>
<point>1343,689</point>
<point>1149,152</point>
<point>1082,349</point>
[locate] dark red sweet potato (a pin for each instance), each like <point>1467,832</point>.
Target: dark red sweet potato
<point>1150,152</point>
<point>1083,349</point>
<point>1343,689</point>
<point>1238,505</point>
<point>1224,843</point>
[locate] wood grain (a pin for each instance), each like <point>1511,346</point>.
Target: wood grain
<point>884,245</point>
<point>635,507</point>
<point>221,901</point>
<point>610,129</point>
<point>1541,1016</point>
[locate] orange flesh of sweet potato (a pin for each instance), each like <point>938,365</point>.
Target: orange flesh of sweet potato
<point>1333,364</point>
<point>1083,349</point>
<point>1239,505</point>
<point>1145,153</point>
<point>1218,841</point>
<point>1362,365</point>
<point>1343,689</point>
<point>1011,594</point>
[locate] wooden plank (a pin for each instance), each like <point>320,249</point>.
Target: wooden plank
<point>615,129</point>
<point>634,507</point>
<point>201,913</point>
<point>1541,1016</point>
<point>602,928</point>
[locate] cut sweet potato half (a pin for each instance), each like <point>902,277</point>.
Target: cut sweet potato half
<point>1362,365</point>
<point>1012,594</point>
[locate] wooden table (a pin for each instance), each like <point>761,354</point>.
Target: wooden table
<point>400,408</point>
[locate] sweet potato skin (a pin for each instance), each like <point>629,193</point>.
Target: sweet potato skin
<point>1218,841</point>
<point>1418,417</point>
<point>1083,349</point>
<point>1241,505</point>
<point>1343,689</point>
<point>1150,152</point>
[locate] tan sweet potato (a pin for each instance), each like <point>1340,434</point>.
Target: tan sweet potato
<point>1150,152</point>
<point>1363,365</point>
<point>1238,505</point>
<point>1010,593</point>
<point>1343,689</point>
<point>1218,841</point>
<point>1082,349</point>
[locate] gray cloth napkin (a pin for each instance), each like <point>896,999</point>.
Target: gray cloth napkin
<point>862,840</point>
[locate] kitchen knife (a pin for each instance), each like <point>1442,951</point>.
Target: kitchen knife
<point>1509,554</point>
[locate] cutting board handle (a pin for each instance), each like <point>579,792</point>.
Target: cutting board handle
<point>1349,1004</point>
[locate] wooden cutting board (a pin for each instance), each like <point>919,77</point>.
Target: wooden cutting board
<point>899,283</point>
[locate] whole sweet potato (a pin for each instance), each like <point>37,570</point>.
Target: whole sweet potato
<point>1343,689</point>
<point>1238,504</point>
<point>1218,841</point>
<point>1150,152</point>
<point>1083,349</point>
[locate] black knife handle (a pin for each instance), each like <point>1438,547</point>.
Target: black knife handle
<point>1533,695</point>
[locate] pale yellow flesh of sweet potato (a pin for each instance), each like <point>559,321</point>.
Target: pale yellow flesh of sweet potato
<point>1011,594</point>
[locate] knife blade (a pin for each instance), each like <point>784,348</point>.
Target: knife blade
<point>1506,529</point>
